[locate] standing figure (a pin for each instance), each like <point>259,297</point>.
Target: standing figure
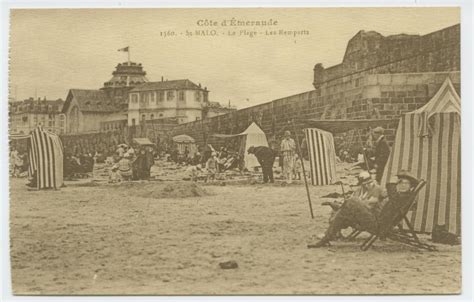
<point>211,167</point>
<point>298,168</point>
<point>287,151</point>
<point>141,165</point>
<point>266,158</point>
<point>125,167</point>
<point>150,160</point>
<point>381,152</point>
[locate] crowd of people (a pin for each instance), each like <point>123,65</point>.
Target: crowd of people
<point>210,162</point>
<point>132,163</point>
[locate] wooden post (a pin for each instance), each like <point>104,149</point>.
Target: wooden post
<point>304,171</point>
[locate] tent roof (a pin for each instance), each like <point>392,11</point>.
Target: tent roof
<point>338,126</point>
<point>142,141</point>
<point>445,100</point>
<point>183,138</point>
<point>252,129</point>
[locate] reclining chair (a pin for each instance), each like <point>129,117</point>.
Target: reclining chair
<point>395,215</point>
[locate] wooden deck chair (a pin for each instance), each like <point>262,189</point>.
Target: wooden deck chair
<point>408,237</point>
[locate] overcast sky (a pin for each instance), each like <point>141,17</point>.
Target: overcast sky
<point>52,51</point>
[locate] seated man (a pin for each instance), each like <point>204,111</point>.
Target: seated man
<point>400,197</point>
<point>367,214</point>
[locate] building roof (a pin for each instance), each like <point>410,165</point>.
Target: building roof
<point>168,85</point>
<point>90,100</point>
<point>37,106</point>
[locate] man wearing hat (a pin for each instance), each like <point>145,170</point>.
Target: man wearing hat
<point>266,158</point>
<point>400,194</point>
<point>287,151</point>
<point>381,152</point>
<point>367,215</point>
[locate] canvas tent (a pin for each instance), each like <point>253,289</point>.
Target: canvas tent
<point>428,144</point>
<point>184,141</point>
<point>143,141</point>
<point>322,156</point>
<point>252,136</point>
<point>45,157</point>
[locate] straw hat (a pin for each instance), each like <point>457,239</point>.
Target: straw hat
<point>379,130</point>
<point>404,174</point>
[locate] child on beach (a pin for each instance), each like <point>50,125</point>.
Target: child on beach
<point>298,168</point>
<point>211,167</point>
<point>114,175</point>
<point>193,172</point>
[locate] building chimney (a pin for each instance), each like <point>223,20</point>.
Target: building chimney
<point>162,79</point>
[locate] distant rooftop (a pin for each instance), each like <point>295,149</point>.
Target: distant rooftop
<point>39,105</point>
<point>90,100</point>
<point>168,85</point>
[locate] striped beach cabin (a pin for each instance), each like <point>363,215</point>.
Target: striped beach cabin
<point>428,144</point>
<point>45,155</point>
<point>322,156</point>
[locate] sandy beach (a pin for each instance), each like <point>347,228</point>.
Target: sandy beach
<point>137,238</point>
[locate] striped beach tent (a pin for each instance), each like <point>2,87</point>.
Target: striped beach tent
<point>428,144</point>
<point>322,156</point>
<point>45,154</point>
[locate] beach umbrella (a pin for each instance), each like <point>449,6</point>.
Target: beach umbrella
<point>183,138</point>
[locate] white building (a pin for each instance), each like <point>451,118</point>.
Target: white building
<point>181,99</point>
<point>25,116</point>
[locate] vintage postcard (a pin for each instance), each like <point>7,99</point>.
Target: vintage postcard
<point>243,151</point>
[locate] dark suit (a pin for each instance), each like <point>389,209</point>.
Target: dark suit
<point>381,153</point>
<point>266,158</point>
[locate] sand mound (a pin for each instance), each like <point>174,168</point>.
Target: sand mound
<point>159,190</point>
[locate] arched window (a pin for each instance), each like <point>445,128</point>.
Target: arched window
<point>152,116</point>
